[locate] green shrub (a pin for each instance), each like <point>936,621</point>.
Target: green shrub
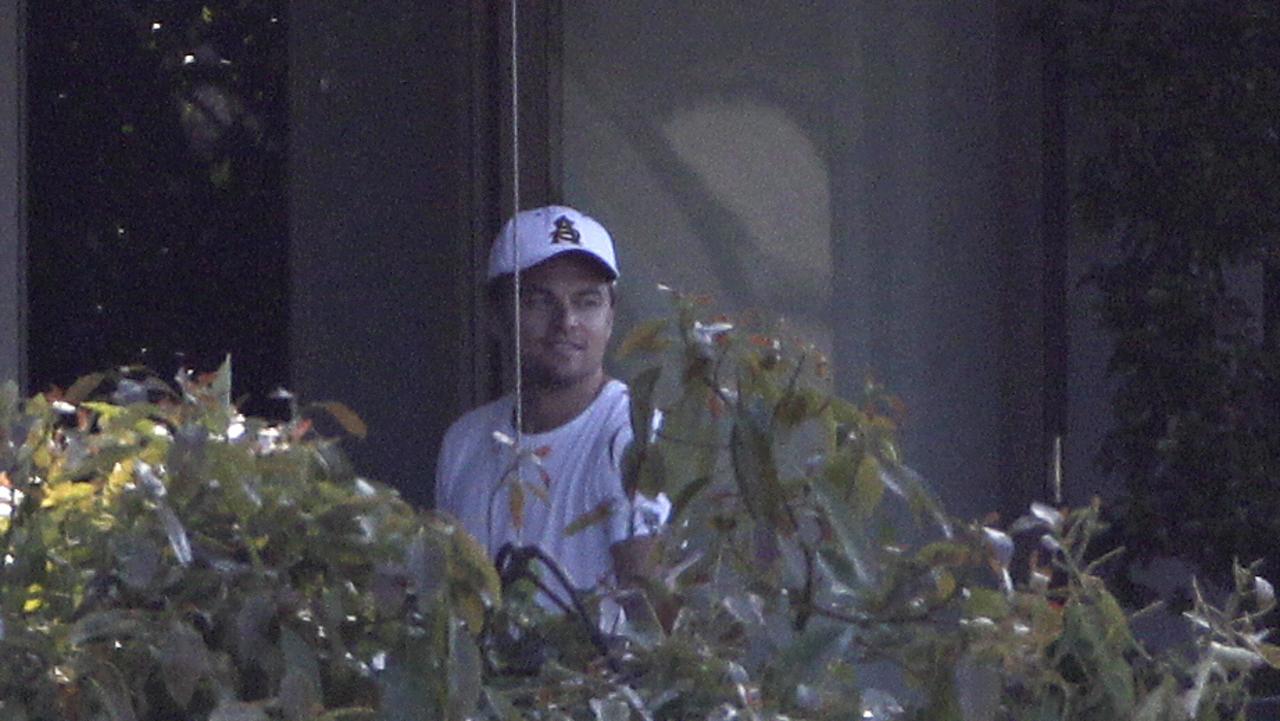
<point>166,558</point>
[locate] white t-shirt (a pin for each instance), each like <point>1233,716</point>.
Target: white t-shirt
<point>582,464</point>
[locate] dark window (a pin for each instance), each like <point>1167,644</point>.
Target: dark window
<point>158,231</point>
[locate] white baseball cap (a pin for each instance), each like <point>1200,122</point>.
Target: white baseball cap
<point>546,232</point>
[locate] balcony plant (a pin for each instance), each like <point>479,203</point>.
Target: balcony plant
<point>166,557</point>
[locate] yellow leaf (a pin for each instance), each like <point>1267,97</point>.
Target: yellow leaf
<point>42,457</point>
<point>64,493</point>
<point>108,411</point>
<point>34,600</point>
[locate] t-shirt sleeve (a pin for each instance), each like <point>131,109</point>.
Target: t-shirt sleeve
<point>442,492</point>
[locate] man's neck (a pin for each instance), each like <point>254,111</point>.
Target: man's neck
<point>549,407</point>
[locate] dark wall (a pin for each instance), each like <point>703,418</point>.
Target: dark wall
<point>12,293</point>
<point>388,176</point>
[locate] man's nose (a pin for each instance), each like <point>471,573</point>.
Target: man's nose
<point>563,315</point>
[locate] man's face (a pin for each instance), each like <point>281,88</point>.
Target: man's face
<point>566,318</point>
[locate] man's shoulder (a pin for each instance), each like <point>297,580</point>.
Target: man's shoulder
<point>612,421</point>
<point>481,420</point>
<point>614,400</point>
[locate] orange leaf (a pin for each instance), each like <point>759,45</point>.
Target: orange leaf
<point>349,419</point>
<point>715,405</point>
<point>515,504</point>
<point>596,515</point>
<point>300,429</point>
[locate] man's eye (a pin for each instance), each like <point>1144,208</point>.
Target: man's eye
<point>535,302</point>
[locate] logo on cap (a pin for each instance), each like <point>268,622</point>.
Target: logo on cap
<point>565,232</point>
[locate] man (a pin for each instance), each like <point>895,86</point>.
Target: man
<point>576,418</point>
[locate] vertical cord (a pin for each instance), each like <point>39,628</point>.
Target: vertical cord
<point>515,228</point>
<point>515,473</point>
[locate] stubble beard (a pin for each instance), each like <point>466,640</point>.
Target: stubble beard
<point>539,376</point>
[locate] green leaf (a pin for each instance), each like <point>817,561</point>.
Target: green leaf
<point>239,711</point>
<point>112,692</point>
<point>83,387</point>
<point>464,674</point>
<point>756,472</point>
<point>908,484</point>
<point>349,714</point>
<point>299,695</point>
<point>610,709</point>
<point>854,544</point>
<point>220,387</point>
<point>647,337</point>
<point>501,705</point>
<point>13,710</point>
<point>641,392</point>
<point>593,517</point>
<point>689,437</point>
<point>1088,641</point>
<point>944,553</point>
<point>986,603</point>
<point>471,571</point>
<point>653,471</point>
<point>102,625</point>
<point>868,487</point>
<point>410,688</point>
<point>804,657</point>
<point>686,495</point>
<point>183,660</point>
<point>426,565</point>
<point>1159,703</point>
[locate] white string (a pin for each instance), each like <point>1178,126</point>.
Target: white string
<point>515,227</point>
